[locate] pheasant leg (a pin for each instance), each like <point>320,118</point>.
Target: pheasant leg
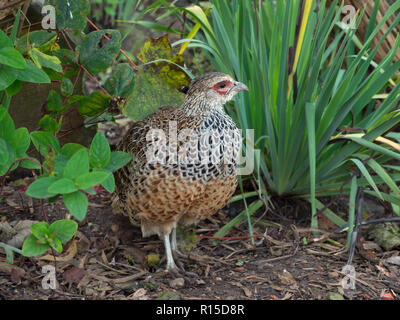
<point>168,253</point>
<point>174,245</point>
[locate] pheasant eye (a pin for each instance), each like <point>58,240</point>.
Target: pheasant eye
<point>222,87</point>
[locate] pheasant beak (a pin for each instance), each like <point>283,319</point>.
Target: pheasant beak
<point>238,86</point>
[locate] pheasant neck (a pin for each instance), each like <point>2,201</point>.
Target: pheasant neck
<point>200,107</point>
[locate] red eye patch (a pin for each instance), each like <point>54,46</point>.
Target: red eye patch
<point>222,87</point>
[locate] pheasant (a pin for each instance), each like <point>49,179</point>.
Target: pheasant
<point>184,162</point>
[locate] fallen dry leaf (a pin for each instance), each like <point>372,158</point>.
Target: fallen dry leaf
<point>383,270</point>
<point>286,277</point>
<point>104,258</point>
<point>15,276</point>
<point>8,268</point>
<point>246,290</point>
<point>140,294</point>
<point>239,269</point>
<point>177,283</point>
<point>69,254</point>
<point>15,235</point>
<point>74,275</point>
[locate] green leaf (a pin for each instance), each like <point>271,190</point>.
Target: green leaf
<point>55,243</point>
<point>5,40</point>
<point>67,57</point>
<point>310,117</point>
<point>60,163</point>
<point>8,155</point>
<point>69,149</point>
<point>99,152</point>
<point>118,159</point>
<point>31,248</point>
<point>39,188</point>
<point>9,254</point>
<point>7,128</point>
<point>27,164</point>
<point>91,191</point>
<point>109,183</point>
<point>77,165</point>
<point>14,88</point>
<point>54,102</point>
<point>49,124</point>
<point>77,204</point>
<point>67,87</point>
<point>63,185</point>
<point>75,98</point>
<point>41,39</point>
<point>91,179</point>
<point>39,230</point>
<point>64,229</point>
<point>162,62</point>
<point>121,81</point>
<point>71,14</point>
<point>3,153</point>
<point>366,174</point>
<point>22,141</point>
<point>43,141</point>
<point>32,74</point>
<point>11,57</point>
<point>149,93</point>
<point>94,104</point>
<point>96,53</point>
<point>44,60</point>
<point>7,76</point>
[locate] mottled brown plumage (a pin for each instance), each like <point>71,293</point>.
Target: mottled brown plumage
<point>184,162</point>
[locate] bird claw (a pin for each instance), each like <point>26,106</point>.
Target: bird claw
<point>179,272</point>
<point>177,253</point>
<point>175,272</point>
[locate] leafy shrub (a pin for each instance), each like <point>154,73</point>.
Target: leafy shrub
<point>72,170</point>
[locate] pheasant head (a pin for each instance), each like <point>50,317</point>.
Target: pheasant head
<point>210,92</point>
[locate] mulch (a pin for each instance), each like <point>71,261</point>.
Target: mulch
<point>109,260</point>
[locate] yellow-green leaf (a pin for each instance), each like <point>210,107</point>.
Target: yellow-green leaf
<point>44,60</point>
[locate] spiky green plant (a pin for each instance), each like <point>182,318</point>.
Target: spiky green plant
<point>308,90</point>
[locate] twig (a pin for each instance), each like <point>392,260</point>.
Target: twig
<point>122,51</point>
<point>364,223</point>
<point>354,234</point>
<point>24,12</point>
<point>95,80</point>
<point>232,238</point>
<point>110,268</point>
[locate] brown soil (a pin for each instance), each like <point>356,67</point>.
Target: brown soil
<point>108,259</point>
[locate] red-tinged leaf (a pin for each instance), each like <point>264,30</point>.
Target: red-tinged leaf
<point>15,277</point>
<point>94,104</point>
<point>74,275</point>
